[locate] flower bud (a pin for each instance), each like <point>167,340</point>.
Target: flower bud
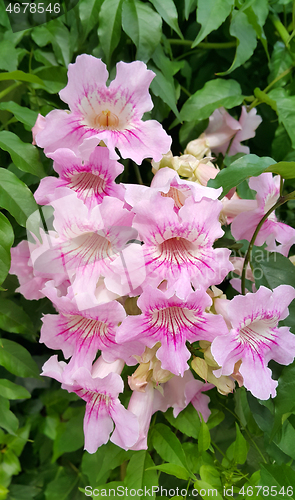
<point>198,147</point>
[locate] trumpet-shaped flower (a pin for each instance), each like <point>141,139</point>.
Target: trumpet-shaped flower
<point>109,114</point>
<point>167,182</point>
<point>172,321</point>
<point>180,391</point>
<point>21,265</point>
<point>255,338</point>
<point>85,242</point>
<point>224,133</point>
<point>103,407</point>
<point>80,334</point>
<point>91,179</point>
<point>244,224</point>
<point>178,247</point>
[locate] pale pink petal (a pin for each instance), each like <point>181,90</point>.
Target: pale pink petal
<point>171,321</point>
<point>249,122</point>
<point>141,405</point>
<point>86,75</point>
<point>139,80</point>
<point>39,125</point>
<point>126,432</point>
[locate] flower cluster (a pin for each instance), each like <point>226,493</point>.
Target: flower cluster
<point>132,270</point>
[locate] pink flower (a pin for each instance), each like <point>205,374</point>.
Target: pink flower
<point>244,224</point>
<point>178,247</point>
<point>103,407</point>
<point>223,128</point>
<point>21,265</point>
<point>109,114</point>
<point>172,321</point>
<point>180,391</point>
<point>38,127</point>
<point>141,404</point>
<point>91,179</point>
<point>85,243</point>
<point>255,338</point>
<point>167,182</point>
<point>80,334</point>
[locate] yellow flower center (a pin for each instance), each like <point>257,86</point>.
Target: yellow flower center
<point>106,119</point>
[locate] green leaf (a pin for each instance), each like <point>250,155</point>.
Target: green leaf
<point>143,25</point>
<point>16,197</point>
<point>88,14</point>
<point>6,241</point>
<point>257,13</point>
<point>281,60</point>
<point>189,6</point>
<point>63,485</point>
<point>13,318</point>
<point>8,56</point>
<point>58,35</point>
<point>10,463</point>
<point>207,490</point>
<point>10,390</point>
<point>285,399</point>
<point>210,475</point>
<point>168,446</point>
<point>139,473</point>
<point>61,41</point>
<point>243,31</point>
<point>17,360</point>
<point>109,30</point>
<point>241,447</point>
<point>204,438</point>
<point>278,477</point>
<point>209,22</point>
<point>25,115</point>
<point>284,168</point>
<point>8,420</point>
<point>168,12</point>
<point>17,442</point>
<point>214,94</point>
<point>188,421</point>
<point>173,470</point>
<point>4,21</point>
<point>70,435</point>
<point>100,464</point>
<point>54,79</point>
<point>264,97</point>
<point>21,77</point>
<point>25,156</point>
<point>275,269</point>
<point>285,110</point>
<point>163,87</point>
<point>239,170</point>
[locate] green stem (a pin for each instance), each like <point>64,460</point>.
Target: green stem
<point>257,101</point>
<point>185,91</point>
<point>279,77</point>
<point>218,449</point>
<point>280,202</point>
<point>203,45</point>
<point>280,28</point>
<point>188,485</point>
<point>11,120</point>
<point>9,89</point>
<point>254,104</point>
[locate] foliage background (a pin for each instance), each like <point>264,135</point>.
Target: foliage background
<point>206,54</point>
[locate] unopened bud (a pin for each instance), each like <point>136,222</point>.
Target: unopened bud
<point>198,147</point>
